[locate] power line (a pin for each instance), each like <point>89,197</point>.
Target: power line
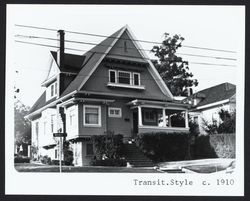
<point>211,64</point>
<point>105,36</point>
<point>39,44</point>
<point>89,43</point>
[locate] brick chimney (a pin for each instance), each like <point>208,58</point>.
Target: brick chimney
<point>60,51</point>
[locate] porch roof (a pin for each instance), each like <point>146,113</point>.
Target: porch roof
<point>140,102</point>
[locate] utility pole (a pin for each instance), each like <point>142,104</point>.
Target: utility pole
<point>60,111</point>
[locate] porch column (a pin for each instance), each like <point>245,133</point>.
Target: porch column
<point>186,119</point>
<point>164,117</point>
<point>169,121</point>
<point>139,116</point>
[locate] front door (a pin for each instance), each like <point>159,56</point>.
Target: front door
<point>135,123</point>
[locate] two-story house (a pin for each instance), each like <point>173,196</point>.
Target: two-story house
<point>112,87</point>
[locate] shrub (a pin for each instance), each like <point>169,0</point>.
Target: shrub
<point>110,146</point>
<point>21,159</point>
<point>67,153</point>
<point>202,148</point>
<point>226,125</point>
<point>161,146</point>
<point>56,162</point>
<point>224,145</point>
<point>110,162</point>
<point>45,160</point>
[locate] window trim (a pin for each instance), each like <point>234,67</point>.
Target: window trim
<point>114,115</point>
<point>139,79</point>
<point>131,80</point>
<point>99,116</point>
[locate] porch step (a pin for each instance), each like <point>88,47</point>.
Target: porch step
<point>135,157</point>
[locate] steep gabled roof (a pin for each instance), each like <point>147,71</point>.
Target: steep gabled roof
<point>86,64</point>
<point>215,94</point>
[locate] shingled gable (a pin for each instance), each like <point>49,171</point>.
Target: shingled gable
<point>102,50</point>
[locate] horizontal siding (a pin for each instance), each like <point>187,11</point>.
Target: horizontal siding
<point>121,125</point>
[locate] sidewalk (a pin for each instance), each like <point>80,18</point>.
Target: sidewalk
<point>27,167</point>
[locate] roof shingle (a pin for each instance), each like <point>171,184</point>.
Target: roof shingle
<point>214,94</point>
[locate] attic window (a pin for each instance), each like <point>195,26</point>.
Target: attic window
<point>112,76</point>
<point>51,91</point>
<point>136,79</point>
<point>125,79</point>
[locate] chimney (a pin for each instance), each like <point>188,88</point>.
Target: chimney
<point>60,51</point>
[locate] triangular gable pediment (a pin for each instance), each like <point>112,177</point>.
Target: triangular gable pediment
<point>125,48</point>
<point>114,45</point>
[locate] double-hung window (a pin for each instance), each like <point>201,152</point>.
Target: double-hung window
<point>124,77</point>
<point>92,115</point>
<point>52,91</point>
<point>72,117</point>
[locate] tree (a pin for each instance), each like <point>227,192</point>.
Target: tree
<point>173,70</point>
<point>22,125</point>
<point>228,121</point>
<point>226,125</point>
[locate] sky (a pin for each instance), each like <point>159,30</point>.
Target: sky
<point>216,27</point>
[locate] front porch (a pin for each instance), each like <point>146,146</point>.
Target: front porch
<point>156,116</point>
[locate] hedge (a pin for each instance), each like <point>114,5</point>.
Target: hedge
<point>162,146</point>
<point>20,159</point>
<point>224,145</point>
<point>202,148</point>
<point>109,162</point>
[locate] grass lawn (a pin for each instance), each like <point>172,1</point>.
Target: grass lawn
<point>27,167</point>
